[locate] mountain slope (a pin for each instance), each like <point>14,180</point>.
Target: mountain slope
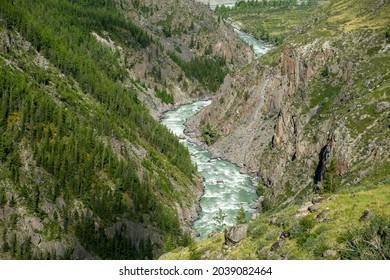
<point>86,171</point>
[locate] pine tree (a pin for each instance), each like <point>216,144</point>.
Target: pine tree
<point>219,219</point>
<point>330,177</point>
<point>241,217</point>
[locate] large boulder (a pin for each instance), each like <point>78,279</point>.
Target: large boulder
<point>235,234</point>
<point>313,209</point>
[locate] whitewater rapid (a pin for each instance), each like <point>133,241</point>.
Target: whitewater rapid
<point>225,187</point>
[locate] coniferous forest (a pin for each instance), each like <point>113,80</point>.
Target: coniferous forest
<point>70,133</point>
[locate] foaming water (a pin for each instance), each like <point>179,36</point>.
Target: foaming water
<point>259,47</point>
<point>225,187</point>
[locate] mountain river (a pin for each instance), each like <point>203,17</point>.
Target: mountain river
<point>225,187</point>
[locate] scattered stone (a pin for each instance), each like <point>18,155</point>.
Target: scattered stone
<point>284,234</point>
<point>255,215</point>
<point>235,234</point>
<point>313,209</point>
<point>317,200</point>
<point>303,211</point>
<point>329,253</point>
<point>320,217</point>
<point>273,220</point>
<point>276,246</point>
<point>182,136</point>
<point>366,215</point>
<point>257,204</point>
<point>382,106</point>
<point>283,256</point>
<point>36,239</point>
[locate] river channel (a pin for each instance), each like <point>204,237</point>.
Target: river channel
<point>225,187</point>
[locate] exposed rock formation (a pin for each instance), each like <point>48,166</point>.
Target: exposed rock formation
<point>235,234</point>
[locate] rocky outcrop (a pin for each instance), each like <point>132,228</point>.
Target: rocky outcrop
<point>285,122</point>
<point>235,234</point>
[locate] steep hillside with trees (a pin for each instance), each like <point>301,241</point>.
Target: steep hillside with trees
<point>85,170</point>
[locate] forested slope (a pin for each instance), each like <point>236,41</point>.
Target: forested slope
<point>85,170</point>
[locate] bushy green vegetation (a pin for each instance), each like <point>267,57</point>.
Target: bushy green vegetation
<point>164,96</point>
<point>370,242</point>
<point>209,135</point>
<point>68,121</point>
<point>209,71</point>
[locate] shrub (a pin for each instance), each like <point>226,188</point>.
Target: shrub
<point>370,242</point>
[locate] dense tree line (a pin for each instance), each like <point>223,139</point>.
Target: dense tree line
<point>66,139</point>
<point>209,71</point>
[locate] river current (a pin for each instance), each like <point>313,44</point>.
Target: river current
<point>225,187</point>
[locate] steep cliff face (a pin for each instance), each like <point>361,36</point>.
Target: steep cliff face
<point>321,101</point>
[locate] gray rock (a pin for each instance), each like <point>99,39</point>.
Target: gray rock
<point>303,211</point>
<point>284,234</point>
<point>317,200</point>
<point>313,209</point>
<point>366,215</point>
<point>321,216</point>
<point>255,215</point>
<point>276,246</point>
<point>382,106</point>
<point>283,256</point>
<point>79,253</point>
<point>235,234</point>
<point>329,253</point>
<point>273,220</point>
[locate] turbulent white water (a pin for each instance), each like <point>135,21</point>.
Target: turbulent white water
<point>225,187</point>
<point>259,47</point>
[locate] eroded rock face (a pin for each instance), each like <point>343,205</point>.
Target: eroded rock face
<point>235,234</point>
<point>271,124</point>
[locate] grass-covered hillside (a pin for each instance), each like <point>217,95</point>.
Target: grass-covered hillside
<point>271,21</point>
<point>333,231</point>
